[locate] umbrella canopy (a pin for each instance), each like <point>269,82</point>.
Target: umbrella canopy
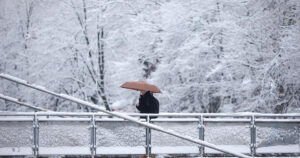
<point>141,86</point>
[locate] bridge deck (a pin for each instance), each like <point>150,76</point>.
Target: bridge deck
<point>139,150</point>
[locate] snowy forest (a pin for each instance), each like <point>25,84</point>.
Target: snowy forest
<point>204,55</point>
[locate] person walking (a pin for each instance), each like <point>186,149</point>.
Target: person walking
<point>148,103</point>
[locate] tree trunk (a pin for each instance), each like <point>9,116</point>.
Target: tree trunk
<point>100,46</point>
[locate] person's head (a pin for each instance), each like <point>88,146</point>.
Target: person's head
<point>144,92</point>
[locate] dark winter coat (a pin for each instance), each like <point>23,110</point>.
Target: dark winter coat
<point>148,104</point>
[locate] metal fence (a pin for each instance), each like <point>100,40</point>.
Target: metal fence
<point>100,134</point>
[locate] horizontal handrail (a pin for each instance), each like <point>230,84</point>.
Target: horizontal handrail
<point>195,115</point>
<point>16,117</point>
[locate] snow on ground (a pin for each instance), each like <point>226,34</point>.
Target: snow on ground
<point>120,134</point>
<point>227,133</point>
<point>53,134</point>
<point>121,150</point>
<point>15,134</point>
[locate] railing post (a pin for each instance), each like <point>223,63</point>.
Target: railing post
<point>35,147</point>
<point>148,138</point>
<point>201,134</point>
<point>93,136</point>
<point>253,136</point>
<point>299,135</point>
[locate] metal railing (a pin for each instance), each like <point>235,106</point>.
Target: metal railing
<point>199,118</point>
<point>120,115</point>
<point>148,124</point>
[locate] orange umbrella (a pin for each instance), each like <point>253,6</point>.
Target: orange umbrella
<point>141,86</point>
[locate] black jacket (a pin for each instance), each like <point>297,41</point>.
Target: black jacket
<point>148,104</point>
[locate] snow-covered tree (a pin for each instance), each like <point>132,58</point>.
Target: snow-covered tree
<point>206,56</point>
